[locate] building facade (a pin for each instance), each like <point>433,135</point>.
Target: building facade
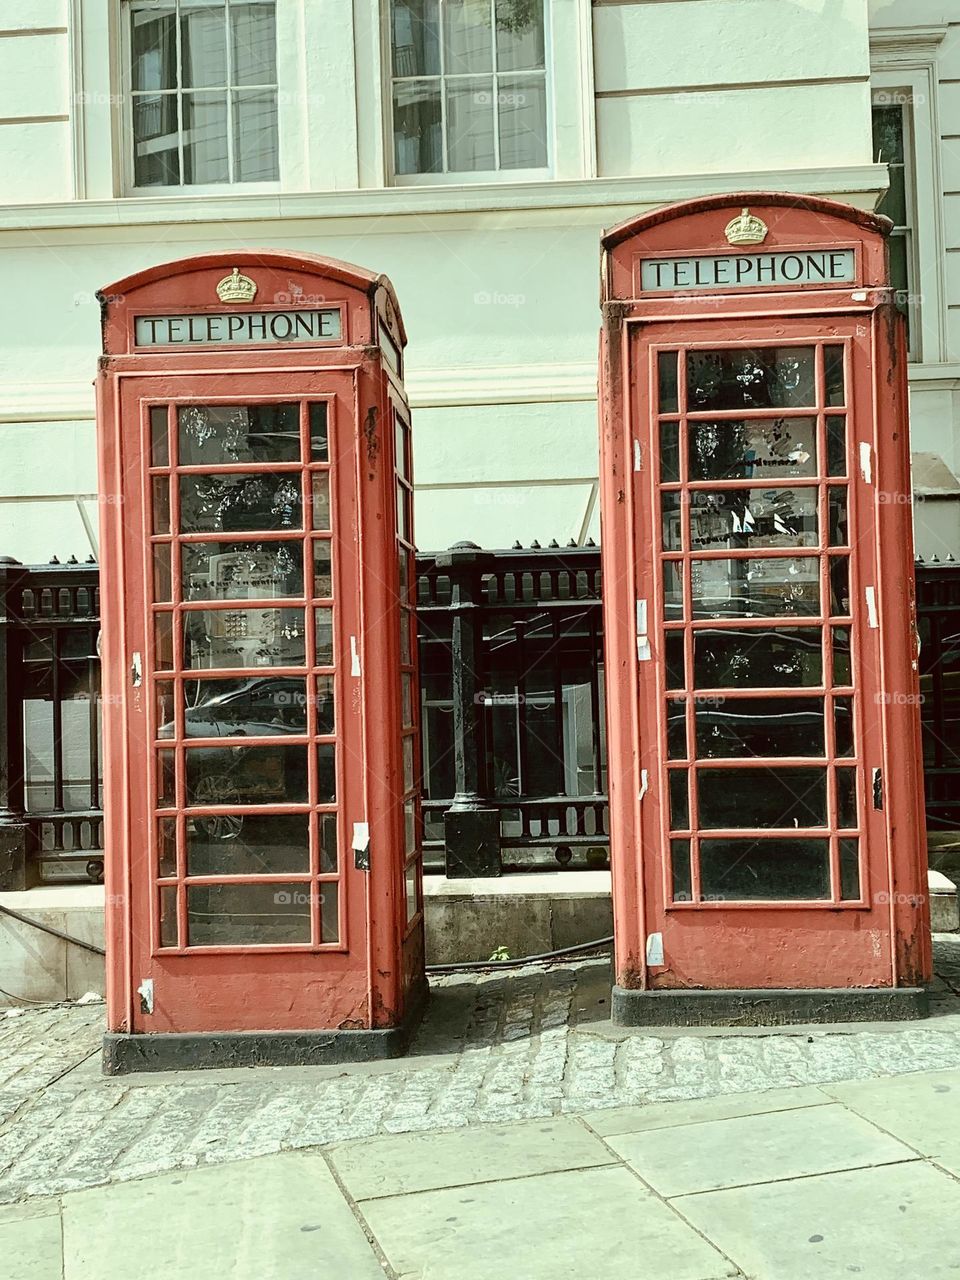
<point>472,150</point>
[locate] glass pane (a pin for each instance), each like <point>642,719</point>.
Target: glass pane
<point>168,916</point>
<point>153,47</point>
<point>253,29</point>
<point>166,778</point>
<point>836,446</point>
<point>240,503</point>
<point>899,268</point>
<point>467,37</point>
<point>519,35</point>
<point>243,638</point>
<point>159,437</point>
<point>409,772</point>
<point>667,376</point>
<point>322,569</point>
<point>762,797</point>
<point>847,815</point>
<point>764,378</point>
<point>246,775</point>
<point>764,449</point>
<point>850,870</point>
<point>406,700</point>
<point>163,641</point>
<point>676,730</point>
<point>250,708</point>
<point>760,727</point>
<point>406,649</point>
<point>162,576</point>
<point>325,704</point>
<point>323,645</point>
<point>248,844</point>
<point>211,434</point>
<point>329,857</point>
<point>833,375</point>
<point>241,570</point>
<point>754,518</point>
<point>669,452</point>
<point>167,851</point>
<point>329,916</point>
<point>757,658</point>
<point>247,914</point>
<point>756,588</point>
<point>156,130</point>
<point>471,116</point>
<point>203,46</point>
<point>522,112</point>
<point>410,880</point>
<point>326,773</point>
<point>320,500</point>
<point>676,664</point>
<point>161,504</point>
<point>842,669</point>
<point>319,429</point>
<point>840,586</point>
<point>672,590</point>
<point>888,134</point>
<point>256,140</point>
<point>409,826</point>
<point>403,513</point>
<point>750,870</point>
<point>680,868</point>
<point>839,535</point>
<point>205,156</point>
<point>417,127</point>
<point>400,444</point>
<point>679,800</point>
<point>671,516</point>
<point>843,725</point>
<point>415,32</point>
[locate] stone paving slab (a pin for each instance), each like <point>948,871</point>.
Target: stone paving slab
<point>663,1115</point>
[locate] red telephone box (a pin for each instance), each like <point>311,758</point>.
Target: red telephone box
<point>263,870</point>
<point>767,822</point>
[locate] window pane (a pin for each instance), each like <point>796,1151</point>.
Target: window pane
<point>676,661</point>
<point>519,35</point>
<point>680,865</point>
<point>326,773</point>
<point>416,37</point>
<point>329,923</point>
<point>246,775</point>
<point>168,916</point>
<point>328,843</point>
<point>754,518</point>
<point>771,377</point>
<point>888,134</point>
<point>159,441</point>
<point>247,914</point>
<point>320,501</point>
<point>732,870</point>
<point>849,870</point>
<point>153,40</point>
<point>161,504</point>
<point>261,707</point>
<point>836,446</point>
<point>324,637</point>
<point>522,108</point>
<point>253,28</point>
<point>833,375</point>
<point>467,38</point>
<point>208,434</point>
<point>847,815</point>
<point>679,804</point>
<point>167,847</point>
<point>156,133</point>
<point>247,844</point>
<point>669,452</point>
<point>760,727</point>
<point>757,658</point>
<point>774,587</point>
<point>205,138</point>
<point>319,442</point>
<point>231,638</point>
<point>417,128</point>
<point>838,517</point>
<point>322,569</point>
<point>753,450</point>
<point>470,122</point>
<point>241,570</point>
<point>676,730</point>
<point>263,502</point>
<point>256,147</point>
<point>203,45</point>
<point>667,377</point>
<point>162,577</point>
<point>326,706</point>
<point>672,590</point>
<point>762,797</point>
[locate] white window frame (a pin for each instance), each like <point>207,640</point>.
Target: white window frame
<point>568,73</point>
<point>288,37</point>
<point>904,62</point>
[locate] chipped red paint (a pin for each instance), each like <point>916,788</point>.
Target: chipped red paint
<point>882,939</point>
<point>372,975</point>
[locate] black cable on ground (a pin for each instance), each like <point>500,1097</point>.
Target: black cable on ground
<point>55,933</point>
<point>473,965</point>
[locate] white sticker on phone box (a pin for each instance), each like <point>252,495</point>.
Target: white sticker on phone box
<point>654,948</point>
<point>361,837</point>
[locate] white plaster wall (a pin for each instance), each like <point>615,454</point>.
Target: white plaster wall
<point>35,139</point>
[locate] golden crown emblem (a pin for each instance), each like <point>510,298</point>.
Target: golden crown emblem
<point>746,228</point>
<point>236,288</point>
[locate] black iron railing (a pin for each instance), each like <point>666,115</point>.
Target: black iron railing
<point>938,620</point>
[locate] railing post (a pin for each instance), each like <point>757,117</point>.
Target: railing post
<point>471,826</point>
<point>18,870</point>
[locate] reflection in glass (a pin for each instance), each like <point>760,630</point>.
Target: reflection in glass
<point>325,704</point>
<point>320,518</point>
<point>248,844</point>
<point>403,513</point>
<point>319,442</point>
<point>247,914</point>
<point>752,518</point>
<point>241,570</point>
<point>164,708</point>
<point>243,638</point>
<point>669,452</point>
<point>752,870</point>
<point>763,727</point>
<point>410,882</point>
<point>240,503</point>
<point>761,659</point>
<point>672,590</point>
<point>676,730</point>
<point>680,870</point>
<point>840,586</point>
<point>406,648</point>
<point>764,798</point>
<point>326,772</point>
<point>329,913</point>
<point>847,797</point>
<point>850,870</point>
<point>168,916</point>
<point>167,847</point>
<point>679,801</point>
<point>833,375</point>
<point>409,826</point>
<point>471,118</point>
<point>162,576</point>
<point>323,643</point>
<point>323,569</point>
<point>417,126</point>
<point>763,378</point>
<point>406,700</point>
<point>250,708</point>
<point>774,587</point>
<point>755,449</point>
<point>212,434</point>
<point>232,775</point>
<point>400,437</point>
<point>166,778</point>
<point>163,641</point>
<point>843,726</point>
<point>674,649</point>
<point>836,446</point>
<point>329,856</point>
<point>667,372</point>
<point>159,437</point>
<point>409,773</point>
<point>161,504</point>
<point>842,671</point>
<point>671,515</point>
<point>521,120</point>
<point>838,516</point>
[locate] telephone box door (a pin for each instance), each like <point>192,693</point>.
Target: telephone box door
<point>240,503</point>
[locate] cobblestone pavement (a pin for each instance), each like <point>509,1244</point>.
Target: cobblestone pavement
<point>493,1048</point>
